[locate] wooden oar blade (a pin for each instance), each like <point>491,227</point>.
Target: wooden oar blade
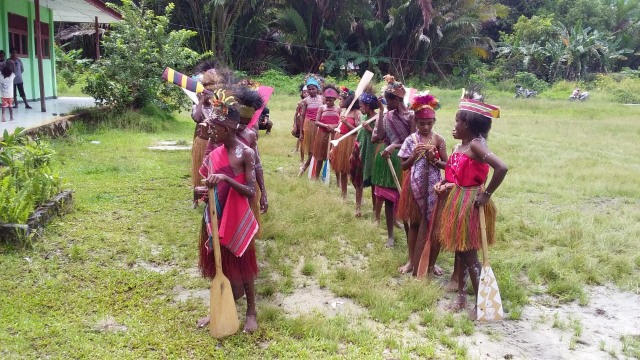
<point>224,316</point>
<point>489,302</point>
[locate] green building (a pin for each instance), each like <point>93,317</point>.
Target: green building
<point>18,30</point>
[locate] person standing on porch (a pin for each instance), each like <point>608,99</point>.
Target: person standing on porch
<point>6,90</point>
<point>18,83</point>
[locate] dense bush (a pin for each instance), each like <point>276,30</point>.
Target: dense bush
<point>623,88</point>
<point>26,178</point>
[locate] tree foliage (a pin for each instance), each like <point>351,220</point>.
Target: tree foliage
<point>136,51</point>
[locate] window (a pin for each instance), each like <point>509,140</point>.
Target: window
<point>18,34</point>
<point>44,33</point>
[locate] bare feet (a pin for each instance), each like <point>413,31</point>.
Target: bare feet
<point>437,270</point>
<point>302,169</point>
<point>452,286</point>
<point>358,213</point>
<point>473,314</point>
<point>203,322</point>
<point>459,304</point>
<point>250,324</point>
<point>407,268</point>
<point>390,243</point>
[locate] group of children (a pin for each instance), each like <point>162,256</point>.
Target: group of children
<point>393,146</point>
<point>397,153</point>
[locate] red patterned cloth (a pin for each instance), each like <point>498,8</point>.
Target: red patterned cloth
<point>236,224</point>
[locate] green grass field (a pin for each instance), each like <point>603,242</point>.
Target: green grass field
<point>104,279</point>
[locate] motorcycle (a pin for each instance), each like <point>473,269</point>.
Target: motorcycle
<point>580,97</point>
<point>525,93</point>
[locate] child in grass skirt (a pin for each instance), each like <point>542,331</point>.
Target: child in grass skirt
<point>363,155</point>
<point>341,153</point>
<point>418,198</point>
<point>390,132</point>
<point>457,225</point>
<point>310,106</point>
<point>327,121</point>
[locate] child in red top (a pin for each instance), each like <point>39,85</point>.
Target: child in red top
<point>327,121</point>
<point>457,224</point>
<point>340,154</point>
<point>231,169</point>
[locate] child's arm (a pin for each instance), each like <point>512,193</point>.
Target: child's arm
<point>441,145</point>
<point>378,131</point>
<point>499,170</point>
<point>418,150</point>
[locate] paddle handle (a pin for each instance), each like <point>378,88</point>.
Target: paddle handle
<point>393,173</point>
<point>483,235</point>
<point>353,131</point>
<point>214,231</point>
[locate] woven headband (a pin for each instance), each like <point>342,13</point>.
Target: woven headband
<point>478,107</point>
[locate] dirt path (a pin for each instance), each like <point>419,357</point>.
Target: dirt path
<point>549,331</point>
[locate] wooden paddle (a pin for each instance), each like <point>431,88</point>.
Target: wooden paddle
<point>222,314</point>
<point>366,79</point>
<point>393,173</point>
<point>489,303</point>
<point>335,142</point>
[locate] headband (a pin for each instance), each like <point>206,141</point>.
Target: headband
<point>246,111</point>
<point>478,107</point>
<point>330,93</point>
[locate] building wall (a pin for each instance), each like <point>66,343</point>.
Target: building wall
<point>31,83</point>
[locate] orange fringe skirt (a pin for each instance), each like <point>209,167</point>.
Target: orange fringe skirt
<point>309,135</point>
<point>408,209</point>
<point>457,220</point>
<point>321,144</point>
<point>197,155</point>
<point>341,153</point>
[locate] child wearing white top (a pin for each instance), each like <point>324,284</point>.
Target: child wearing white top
<point>6,90</point>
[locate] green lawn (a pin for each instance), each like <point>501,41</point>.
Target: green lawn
<point>103,281</point>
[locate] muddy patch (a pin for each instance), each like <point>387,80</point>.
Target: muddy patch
<point>552,331</point>
<point>308,297</point>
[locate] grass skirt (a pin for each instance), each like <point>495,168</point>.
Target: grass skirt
<point>457,220</point>
<point>309,134</point>
<point>237,269</point>
<point>367,156</point>
<point>341,153</point>
<point>381,175</point>
<point>197,155</point>
<point>321,144</point>
<point>408,209</point>
<point>254,203</point>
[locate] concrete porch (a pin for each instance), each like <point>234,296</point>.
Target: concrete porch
<point>34,118</point>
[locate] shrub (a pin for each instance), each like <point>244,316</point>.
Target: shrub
<point>26,178</point>
<point>136,53</point>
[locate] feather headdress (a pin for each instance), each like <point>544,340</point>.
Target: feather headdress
<point>425,106</point>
